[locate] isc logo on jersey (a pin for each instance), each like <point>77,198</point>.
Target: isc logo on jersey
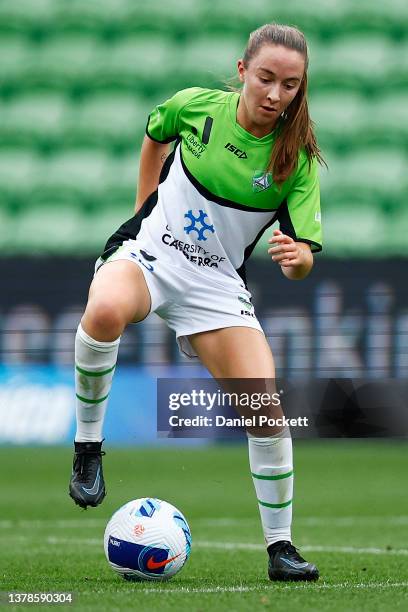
<point>238,152</point>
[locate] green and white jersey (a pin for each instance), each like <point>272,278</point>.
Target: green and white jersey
<point>215,198</point>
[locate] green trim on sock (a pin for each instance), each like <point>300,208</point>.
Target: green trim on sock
<point>284,505</point>
<point>91,401</point>
<point>81,371</point>
<point>277,477</point>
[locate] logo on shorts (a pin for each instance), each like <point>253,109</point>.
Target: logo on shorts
<point>261,181</point>
<point>245,301</point>
<point>147,256</point>
<point>146,264</point>
<point>196,222</point>
<point>247,313</point>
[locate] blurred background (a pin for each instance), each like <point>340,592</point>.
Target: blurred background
<point>77,82</point>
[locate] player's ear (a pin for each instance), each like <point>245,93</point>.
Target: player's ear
<point>241,70</point>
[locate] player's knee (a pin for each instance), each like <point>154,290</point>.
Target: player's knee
<point>104,318</point>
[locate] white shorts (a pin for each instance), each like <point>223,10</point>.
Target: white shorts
<point>188,302</point>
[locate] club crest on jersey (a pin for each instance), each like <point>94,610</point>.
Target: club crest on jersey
<point>261,181</point>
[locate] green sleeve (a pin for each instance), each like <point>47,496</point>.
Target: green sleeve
<point>163,124</point>
<point>299,216</point>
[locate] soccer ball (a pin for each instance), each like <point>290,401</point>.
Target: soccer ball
<point>147,539</point>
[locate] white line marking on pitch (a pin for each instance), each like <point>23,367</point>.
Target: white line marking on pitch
<point>306,548</point>
<point>62,523</point>
<point>272,588</point>
<point>336,521</point>
<point>234,546</point>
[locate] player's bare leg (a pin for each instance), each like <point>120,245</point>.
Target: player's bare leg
<point>243,353</point>
<point>118,296</point>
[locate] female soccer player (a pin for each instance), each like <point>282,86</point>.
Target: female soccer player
<point>241,161</point>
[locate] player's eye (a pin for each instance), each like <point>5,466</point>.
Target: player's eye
<point>289,86</point>
<point>263,80</point>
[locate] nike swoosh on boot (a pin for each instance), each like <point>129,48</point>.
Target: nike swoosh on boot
<point>94,489</point>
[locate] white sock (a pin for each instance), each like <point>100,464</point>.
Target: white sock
<point>94,368</point>
<point>271,464</point>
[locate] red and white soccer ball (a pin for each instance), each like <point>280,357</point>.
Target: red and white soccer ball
<point>147,539</point>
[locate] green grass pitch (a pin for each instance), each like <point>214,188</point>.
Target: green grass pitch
<point>350,518</point>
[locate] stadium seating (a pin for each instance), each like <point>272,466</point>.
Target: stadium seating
<point>121,183</point>
<point>111,120</point>
<point>138,61</point>
<point>16,62</point>
<point>68,62</point>
<point>376,175</point>
<point>31,17</point>
<point>78,80</point>
<point>385,18</point>
<point>93,16</point>
<point>354,229</point>
<point>353,62</point>
<point>210,59</point>
<point>50,228</point>
<point>392,114</point>
<point>19,171</point>
<point>71,175</point>
<point>338,125</point>
<point>34,120</point>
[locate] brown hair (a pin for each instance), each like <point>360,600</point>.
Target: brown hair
<point>295,127</point>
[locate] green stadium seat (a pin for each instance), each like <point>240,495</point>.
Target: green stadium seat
<point>138,61</point>
<point>7,224</point>
<point>398,231</point>
<point>386,121</point>
<point>376,175</point>
<point>49,227</point>
<point>338,118</point>
<point>388,18</point>
<point>73,175</point>
<point>316,18</point>
<point>56,227</point>
<point>234,16</point>
<point>94,16</point>
<point>68,62</point>
<point>397,75</point>
<point>121,184</point>
<point>120,17</point>
<point>352,62</point>
<point>394,110</point>
<point>36,119</point>
<point>110,120</point>
<point>28,16</point>
<point>351,121</point>
<point>209,60</point>
<point>16,62</point>
<point>177,18</point>
<point>99,227</point>
<point>355,229</point>
<point>19,172</point>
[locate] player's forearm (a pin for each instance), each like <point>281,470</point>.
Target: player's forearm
<point>152,158</point>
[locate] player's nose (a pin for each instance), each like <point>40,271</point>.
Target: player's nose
<point>274,93</point>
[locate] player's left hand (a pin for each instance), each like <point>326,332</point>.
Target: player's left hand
<point>286,252</point>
